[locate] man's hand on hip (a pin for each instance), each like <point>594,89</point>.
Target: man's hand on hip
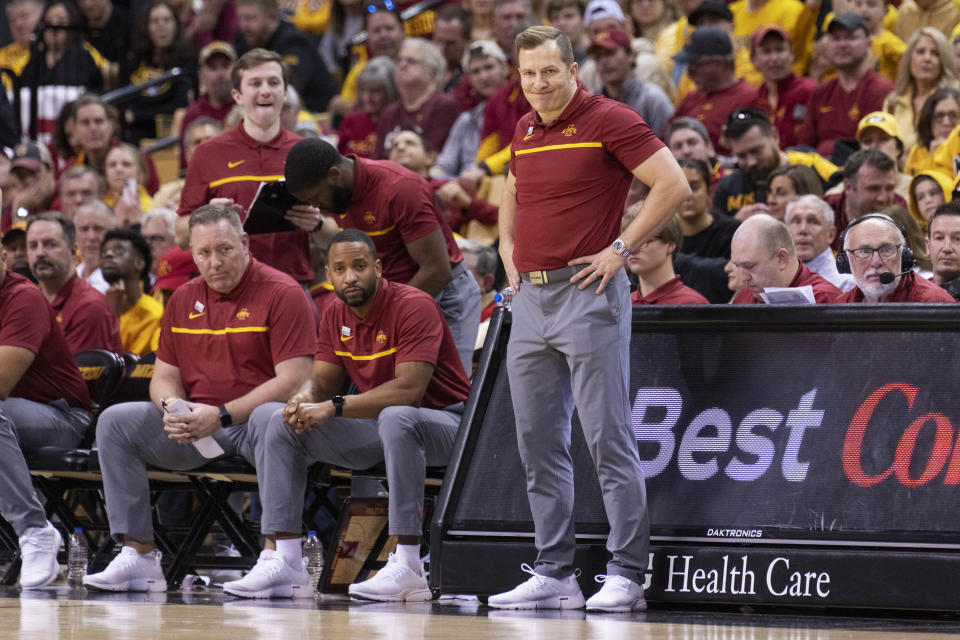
<point>602,267</point>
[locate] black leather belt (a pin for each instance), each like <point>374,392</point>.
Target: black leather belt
<point>553,275</point>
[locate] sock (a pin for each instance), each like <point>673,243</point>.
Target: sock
<point>289,548</point>
<point>409,554</point>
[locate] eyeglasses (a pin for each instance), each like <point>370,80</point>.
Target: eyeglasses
<point>886,251</point>
<point>952,116</point>
<point>386,4</point>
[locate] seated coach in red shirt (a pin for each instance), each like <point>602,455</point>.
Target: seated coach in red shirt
<point>390,339</point>
<point>652,263</point>
<point>83,313</point>
<point>874,249</point>
<point>399,210</point>
<point>43,401</point>
<point>236,337</point>
<point>763,252</point>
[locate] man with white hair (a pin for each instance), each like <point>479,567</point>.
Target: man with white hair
<point>418,74</point>
<point>92,221</point>
<point>158,228</point>
<point>810,221</point>
<point>764,256</point>
<point>874,249</point>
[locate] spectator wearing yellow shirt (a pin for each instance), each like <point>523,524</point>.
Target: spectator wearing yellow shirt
<point>926,66</point>
<point>23,17</point>
<point>886,48</point>
<point>938,136</point>
<point>749,15</point>
<point>125,263</point>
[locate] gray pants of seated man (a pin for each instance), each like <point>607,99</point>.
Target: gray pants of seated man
<point>460,304</point>
<point>129,437</point>
<point>408,438</point>
<point>25,426</point>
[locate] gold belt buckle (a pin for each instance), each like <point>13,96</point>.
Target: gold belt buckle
<point>538,277</point>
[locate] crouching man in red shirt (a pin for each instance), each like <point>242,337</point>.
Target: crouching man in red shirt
<point>391,340</point>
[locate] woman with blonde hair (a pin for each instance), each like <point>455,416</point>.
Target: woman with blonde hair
<point>926,65</point>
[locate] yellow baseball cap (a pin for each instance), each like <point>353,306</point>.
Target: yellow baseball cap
<point>879,120</point>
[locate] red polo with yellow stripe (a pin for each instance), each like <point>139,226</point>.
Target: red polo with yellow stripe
<point>232,165</point>
<point>572,178</point>
<point>225,345</point>
<point>404,324</point>
<point>395,206</point>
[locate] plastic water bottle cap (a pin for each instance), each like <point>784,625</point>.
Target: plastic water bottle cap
<point>311,533</point>
<point>498,297</point>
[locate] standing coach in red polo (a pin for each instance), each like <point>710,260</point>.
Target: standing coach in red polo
<point>229,168</point>
<point>572,160</point>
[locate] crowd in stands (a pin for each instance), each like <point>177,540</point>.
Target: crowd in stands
<point>820,142</point>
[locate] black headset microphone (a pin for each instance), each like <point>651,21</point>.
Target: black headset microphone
<point>907,259</point>
<point>888,276</point>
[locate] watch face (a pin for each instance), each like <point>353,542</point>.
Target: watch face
<point>619,247</point>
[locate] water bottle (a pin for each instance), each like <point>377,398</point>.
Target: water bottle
<point>77,558</point>
<point>504,297</point>
<point>313,552</point>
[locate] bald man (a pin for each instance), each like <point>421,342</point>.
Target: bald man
<point>763,254</point>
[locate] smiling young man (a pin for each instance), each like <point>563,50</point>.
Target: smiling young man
<point>572,161</point>
<point>228,169</point>
<point>391,340</point>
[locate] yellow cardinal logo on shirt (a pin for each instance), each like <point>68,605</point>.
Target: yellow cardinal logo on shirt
<point>369,218</point>
<point>569,131</point>
<point>381,337</point>
<point>243,314</point>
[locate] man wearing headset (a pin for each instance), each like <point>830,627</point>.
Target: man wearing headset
<point>873,248</point>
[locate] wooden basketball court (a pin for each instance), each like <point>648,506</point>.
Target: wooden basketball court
<point>57,613</point>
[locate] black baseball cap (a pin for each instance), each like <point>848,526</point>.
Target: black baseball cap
<point>710,8</point>
<point>705,41</point>
<point>850,21</point>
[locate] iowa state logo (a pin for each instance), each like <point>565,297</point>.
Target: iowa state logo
<point>381,337</point>
<point>243,314</point>
<point>569,131</point>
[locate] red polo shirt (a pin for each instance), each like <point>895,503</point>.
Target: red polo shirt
<point>793,95</point>
<point>572,178</point>
<point>233,165</point>
<point>323,297</point>
<point>833,114</point>
<point>27,321</point>
<point>712,109</point>
<point>395,206</point>
<point>823,291</point>
<point>226,345</point>
<point>500,116</point>
<point>358,134</point>
<point>671,292</point>
<point>404,324</point>
<point>911,288</point>
<point>86,318</point>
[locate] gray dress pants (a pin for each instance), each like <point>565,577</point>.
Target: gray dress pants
<point>570,347</point>
<point>408,438</point>
<point>460,304</point>
<point>25,426</point>
<point>130,436</point>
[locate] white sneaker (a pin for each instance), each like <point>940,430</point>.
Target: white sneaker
<point>618,595</point>
<point>39,547</point>
<point>271,577</point>
<point>541,592</point>
<point>130,571</point>
<point>396,582</point>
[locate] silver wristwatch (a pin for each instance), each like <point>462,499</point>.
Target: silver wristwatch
<point>620,248</point>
